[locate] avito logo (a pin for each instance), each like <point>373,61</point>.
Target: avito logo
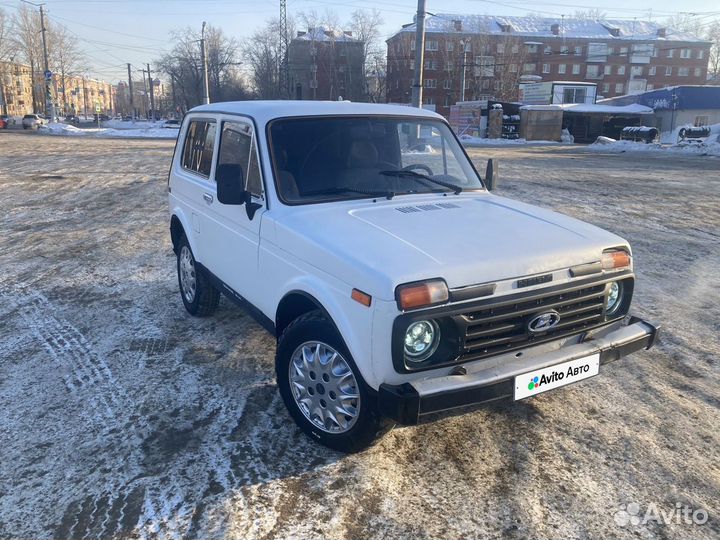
<point>556,376</point>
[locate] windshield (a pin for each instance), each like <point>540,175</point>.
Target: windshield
<point>317,159</point>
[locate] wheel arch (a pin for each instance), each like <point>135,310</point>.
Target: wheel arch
<point>179,226</point>
<point>294,304</point>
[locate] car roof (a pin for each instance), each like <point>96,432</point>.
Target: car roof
<point>265,111</point>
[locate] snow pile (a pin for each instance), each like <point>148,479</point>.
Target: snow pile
<point>711,147</point>
<point>69,130</point>
<point>566,137</point>
<point>470,141</point>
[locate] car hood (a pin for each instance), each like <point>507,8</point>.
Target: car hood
<point>466,239</point>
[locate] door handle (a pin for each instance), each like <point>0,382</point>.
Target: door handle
<point>208,198</point>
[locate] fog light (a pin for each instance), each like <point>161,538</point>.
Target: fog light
<point>421,340</point>
<point>614,297</point>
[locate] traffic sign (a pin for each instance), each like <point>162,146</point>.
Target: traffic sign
<point>97,108</point>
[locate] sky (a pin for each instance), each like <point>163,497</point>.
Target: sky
<point>114,32</point>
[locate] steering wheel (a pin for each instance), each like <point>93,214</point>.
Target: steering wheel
<point>412,166</point>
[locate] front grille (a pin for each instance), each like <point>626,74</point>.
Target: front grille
<point>502,327</point>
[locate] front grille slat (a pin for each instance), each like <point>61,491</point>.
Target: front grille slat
<point>503,326</point>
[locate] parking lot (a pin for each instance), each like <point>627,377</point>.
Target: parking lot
<point>122,416</point>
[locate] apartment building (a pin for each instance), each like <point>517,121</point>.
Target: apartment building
<point>23,92</point>
<point>326,65</point>
<point>493,54</point>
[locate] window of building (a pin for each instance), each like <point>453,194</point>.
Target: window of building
<point>546,68</point>
<point>500,48</point>
<point>448,101</point>
<point>576,69</point>
<point>606,88</point>
<point>343,52</point>
<point>578,51</point>
<point>486,83</point>
<point>562,68</point>
<point>468,46</point>
<point>237,147</point>
<point>548,49</point>
<point>636,71</point>
<point>515,49</point>
<point>611,51</point>
<point>430,64</point>
<point>484,66</point>
<point>528,68</point>
<point>668,71</point>
<point>607,70</point>
<point>430,83</point>
<point>574,95</point>
<point>701,54</point>
<point>428,100</point>
<point>650,87</point>
<point>448,65</point>
<point>623,51</point>
<point>698,72</point>
<point>670,53</point>
<point>341,69</point>
<point>512,68</point>
<point>431,45</point>
<point>593,71</point>
<point>411,65</point>
<point>621,70</point>
<point>564,49</point>
<point>199,147</point>
<point>447,84</point>
<point>619,88</point>
<point>652,70</point>
<point>685,53</point>
<point>683,71</point>
<point>412,45</point>
<point>701,121</point>
<point>449,46</point>
<point>532,48</point>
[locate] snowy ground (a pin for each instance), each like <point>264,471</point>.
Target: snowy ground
<point>124,417</point>
<point>141,130</point>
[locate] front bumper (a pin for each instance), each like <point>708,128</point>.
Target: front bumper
<point>409,402</point>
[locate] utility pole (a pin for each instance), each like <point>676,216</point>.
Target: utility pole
<point>463,67</point>
<point>49,103</point>
<point>203,54</point>
<point>130,87</point>
<point>419,55</point>
<point>152,94</point>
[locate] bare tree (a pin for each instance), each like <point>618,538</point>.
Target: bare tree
<point>262,52</point>
<point>365,26</point>
<point>27,41</point>
<point>66,60</point>
<point>7,46</point>
<point>685,22</point>
<point>713,35</point>
<point>595,14</point>
<point>184,66</point>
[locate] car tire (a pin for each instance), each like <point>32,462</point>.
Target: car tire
<point>307,331</point>
<point>199,296</point>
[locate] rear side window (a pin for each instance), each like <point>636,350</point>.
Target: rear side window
<point>237,146</point>
<point>198,150</point>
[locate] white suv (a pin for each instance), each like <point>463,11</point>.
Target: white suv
<point>396,283</point>
<point>33,121</point>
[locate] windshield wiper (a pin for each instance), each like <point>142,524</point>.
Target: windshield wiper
<point>334,190</point>
<point>420,176</point>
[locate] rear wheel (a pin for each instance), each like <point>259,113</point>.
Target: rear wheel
<point>322,387</point>
<point>199,296</point>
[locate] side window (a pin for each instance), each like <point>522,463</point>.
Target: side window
<point>237,146</point>
<point>198,150</point>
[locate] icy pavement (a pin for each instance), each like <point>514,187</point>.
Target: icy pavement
<point>124,417</point>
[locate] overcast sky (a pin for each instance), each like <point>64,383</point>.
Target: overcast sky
<point>113,32</point>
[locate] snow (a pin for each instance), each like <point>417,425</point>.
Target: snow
<point>710,147</point>
<point>469,141</point>
<point>105,132</point>
<point>537,26</point>
<point>633,108</point>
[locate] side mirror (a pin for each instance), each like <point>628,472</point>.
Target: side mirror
<point>230,184</point>
<point>491,175</point>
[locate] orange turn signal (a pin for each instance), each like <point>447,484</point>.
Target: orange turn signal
<point>361,297</point>
<point>422,294</point>
<point>615,258</point>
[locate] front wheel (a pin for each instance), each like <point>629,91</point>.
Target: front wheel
<point>198,294</point>
<point>322,388</point>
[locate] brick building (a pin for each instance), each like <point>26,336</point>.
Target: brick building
<point>622,57</point>
<point>325,65</point>
<point>23,92</point>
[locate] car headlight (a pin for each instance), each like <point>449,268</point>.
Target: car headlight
<point>614,297</point>
<point>421,340</point>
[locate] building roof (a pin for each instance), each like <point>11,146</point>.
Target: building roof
<point>541,27</point>
<point>684,97</point>
<point>321,33</point>
<point>265,111</point>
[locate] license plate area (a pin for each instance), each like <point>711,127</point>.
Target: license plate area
<point>541,380</point>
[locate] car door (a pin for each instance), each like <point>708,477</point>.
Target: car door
<point>233,234</point>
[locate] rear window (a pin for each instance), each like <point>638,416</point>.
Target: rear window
<point>198,148</point>
<point>30,116</point>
